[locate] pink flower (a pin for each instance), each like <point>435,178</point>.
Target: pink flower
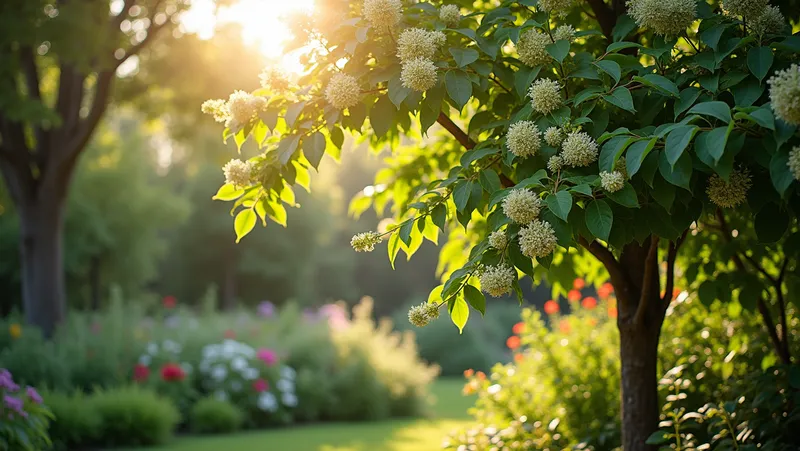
<point>267,356</point>
<point>260,385</point>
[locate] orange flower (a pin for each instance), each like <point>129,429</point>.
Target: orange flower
<point>469,388</point>
<point>15,330</point>
<point>513,342</point>
<point>612,312</point>
<point>605,290</point>
<point>480,375</point>
<point>469,373</point>
<point>578,284</point>
<point>574,295</point>
<point>564,326</point>
<point>551,307</point>
<point>676,292</point>
<point>519,357</point>
<point>518,328</point>
<point>589,302</point>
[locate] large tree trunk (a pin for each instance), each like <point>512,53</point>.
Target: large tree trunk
<point>41,252</point>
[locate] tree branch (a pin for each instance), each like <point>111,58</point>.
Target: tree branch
<point>460,136</point>
<point>604,15</point>
<point>86,126</point>
<point>650,279</point>
<point>615,270</point>
<point>151,34</point>
<point>31,72</point>
<point>672,254</point>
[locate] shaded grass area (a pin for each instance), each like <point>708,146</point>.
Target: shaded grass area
<point>450,412</point>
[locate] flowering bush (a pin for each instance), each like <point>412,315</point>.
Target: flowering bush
<point>24,416</point>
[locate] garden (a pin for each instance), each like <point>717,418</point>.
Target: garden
<point>400,225</point>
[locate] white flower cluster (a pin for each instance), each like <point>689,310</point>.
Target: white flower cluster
<point>579,149</point>
<point>537,239</point>
<point>268,401</point>
<point>496,280</point>
<point>555,163</point>
<point>365,241</point>
<point>168,352</point>
<point>416,48</point>
<point>418,74</point>
<point>746,8</point>
<point>559,8</point>
<point>240,108</point>
<point>342,91</point>
<point>554,136</point>
<point>784,94</point>
<point>421,315</point>
<point>274,78</point>
<point>531,47</point>
<point>564,33</point>
<point>612,181</point>
<point>383,14</point>
<point>522,206</point>
<point>794,162</point>
<point>238,173</point>
<point>770,21</point>
<point>545,95</point>
<point>498,239</point>
<point>450,15</point>
<point>731,193</point>
<point>523,139</point>
<point>664,17</point>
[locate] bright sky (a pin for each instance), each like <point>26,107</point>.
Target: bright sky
<point>261,20</point>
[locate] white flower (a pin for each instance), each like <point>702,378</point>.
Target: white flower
<point>531,47</point>
<point>523,139</point>
<point>289,399</point>
<point>152,349</point>
<point>554,136</point>
<point>267,402</point>
<point>219,373</point>
<point>664,17</point>
<point>238,173</point>
<point>418,315</point>
<point>250,374</point>
<point>288,372</point>
<point>557,7</point>
<point>418,74</point>
<point>450,15</point>
<point>498,239</point>
<point>579,149</point>
<point>555,163</point>
<point>794,162</point>
<point>538,239</point>
<point>217,108</point>
<point>417,43</point>
<point>564,33</point>
<point>172,347</point>
<point>239,364</point>
<point>342,91</point>
<point>365,241</point>
<point>274,78</point>
<point>383,14</point>
<point>145,359</point>
<point>494,389</point>
<point>243,106</point>
<point>545,95</point>
<point>522,206</point>
<point>497,280</point>
<point>747,8</point>
<point>784,94</point>
<point>205,365</point>
<point>612,181</point>
<point>211,352</point>
<point>285,385</point>
<point>731,193</point>
<point>771,21</point>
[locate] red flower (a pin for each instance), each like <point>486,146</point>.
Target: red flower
<point>574,295</point>
<point>172,372</point>
<point>140,373</point>
<point>564,326</point>
<point>519,357</point>
<point>230,334</point>
<point>513,342</point>
<point>578,284</point>
<point>169,302</point>
<point>612,312</point>
<point>260,385</point>
<point>551,307</point>
<point>518,328</point>
<point>605,290</point>
<point>589,303</point>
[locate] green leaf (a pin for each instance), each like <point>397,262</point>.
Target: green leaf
<point>612,150</point>
<point>611,68</point>
<point>244,223</point>
<point>711,35</point>
<point>759,60</point>
<point>636,154</point>
<point>393,247</point>
<point>621,98</point>
<point>658,438</point>
<point>717,109</point>
<point>523,79</point>
<point>763,117</point>
<point>228,192</point>
<point>558,50</point>
<point>662,84</point>
<point>459,87</point>
<point>780,173</point>
<point>464,56</point>
<point>314,148</point>
<point>287,148</point>
<point>405,231</point>
<point>712,143</point>
<point>710,82</point>
<point>490,181</point>
<point>397,92</point>
<point>623,27</point>
<point>687,97</point>
<point>680,174</point>
<point>459,313</point>
<point>461,194</point>
<point>381,117</point>
<point>439,216</point>
<point>292,112</point>
<point>560,204</point>
<point>599,219</point>
<point>747,92</point>
<point>475,298</point>
<point>677,141</point>
<point>771,223</point>
<point>617,46</point>
<point>707,292</point>
<point>625,197</point>
<point>663,192</point>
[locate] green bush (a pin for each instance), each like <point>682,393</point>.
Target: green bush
<point>133,416</point>
<point>214,416</point>
<point>76,422</point>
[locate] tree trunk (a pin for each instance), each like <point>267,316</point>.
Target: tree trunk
<point>41,255</point>
<point>639,385</point>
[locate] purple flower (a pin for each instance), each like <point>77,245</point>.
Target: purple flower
<point>6,381</point>
<point>33,395</point>
<point>266,309</point>
<point>15,404</point>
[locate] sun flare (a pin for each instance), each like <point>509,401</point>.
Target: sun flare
<point>263,24</point>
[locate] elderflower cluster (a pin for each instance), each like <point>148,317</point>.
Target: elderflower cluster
<point>559,8</point>
<point>342,91</point>
<point>522,206</point>
<point>418,43</point>
<point>383,14</point>
<point>532,47</point>
<point>238,173</point>
<point>579,149</point>
<point>450,15</point>
<point>554,136</point>
<point>498,239</point>
<point>744,8</point>
<point>555,163</point>
<point>731,193</point>
<point>664,17</point>
<point>365,241</point>
<point>794,162</point>
<point>784,94</point>
<point>770,21</point>
<point>537,239</point>
<point>496,280</point>
<point>217,108</point>
<point>274,78</point>
<point>523,139</point>
<point>564,33</point>
<point>421,315</point>
<point>242,107</point>
<point>612,181</point>
<point>545,95</point>
<point>418,74</point>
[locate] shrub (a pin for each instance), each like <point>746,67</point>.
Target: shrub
<point>133,416</point>
<point>25,417</point>
<point>76,422</point>
<point>214,416</point>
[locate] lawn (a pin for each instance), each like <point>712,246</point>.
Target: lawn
<point>396,435</point>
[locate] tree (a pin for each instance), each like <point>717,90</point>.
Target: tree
<point>643,132</point>
<point>58,65</point>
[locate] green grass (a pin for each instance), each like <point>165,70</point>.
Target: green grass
<point>450,408</point>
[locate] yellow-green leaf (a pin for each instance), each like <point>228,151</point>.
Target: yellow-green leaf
<point>459,313</point>
<point>244,223</point>
<point>228,192</point>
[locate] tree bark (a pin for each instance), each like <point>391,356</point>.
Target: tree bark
<point>41,252</point>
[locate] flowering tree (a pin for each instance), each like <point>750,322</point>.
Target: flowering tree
<point>660,123</point>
